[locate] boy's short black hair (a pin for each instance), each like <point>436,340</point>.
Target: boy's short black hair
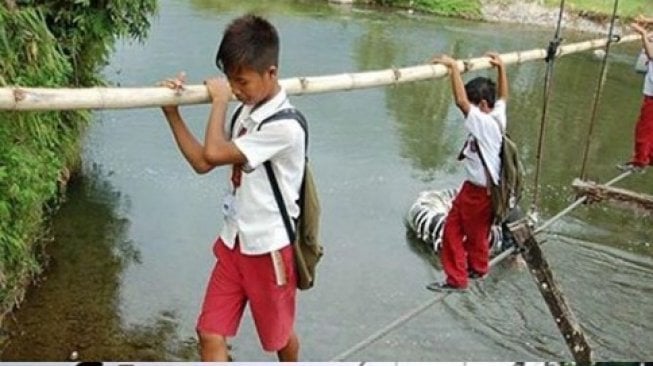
<point>481,88</point>
<point>248,41</point>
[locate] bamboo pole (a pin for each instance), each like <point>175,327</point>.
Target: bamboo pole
<point>640,202</point>
<point>24,99</point>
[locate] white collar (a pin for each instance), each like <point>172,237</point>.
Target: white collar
<point>270,107</point>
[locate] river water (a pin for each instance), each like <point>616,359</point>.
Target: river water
<point>132,244</point>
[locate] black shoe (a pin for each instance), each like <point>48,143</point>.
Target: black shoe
<point>444,287</point>
<point>631,167</point>
<point>473,275</point>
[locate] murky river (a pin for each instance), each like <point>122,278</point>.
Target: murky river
<point>132,247</point>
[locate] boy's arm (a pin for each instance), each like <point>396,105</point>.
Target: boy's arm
<point>189,146</point>
<point>457,85</point>
<point>646,43</point>
<point>217,150</point>
<point>648,47</point>
<point>502,77</point>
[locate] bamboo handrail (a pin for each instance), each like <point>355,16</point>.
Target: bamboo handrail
<point>40,99</point>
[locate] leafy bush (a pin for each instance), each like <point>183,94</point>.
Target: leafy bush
<point>48,44</point>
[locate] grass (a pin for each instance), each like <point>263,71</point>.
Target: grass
<point>627,8</point>
<point>463,8</point>
<point>452,8</point>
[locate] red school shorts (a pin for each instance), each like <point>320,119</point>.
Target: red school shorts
<point>238,279</point>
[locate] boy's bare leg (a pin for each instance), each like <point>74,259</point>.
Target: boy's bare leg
<point>213,347</point>
<point>290,352</point>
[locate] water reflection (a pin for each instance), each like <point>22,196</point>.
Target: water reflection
<point>419,109</point>
<point>75,302</point>
<point>300,7</point>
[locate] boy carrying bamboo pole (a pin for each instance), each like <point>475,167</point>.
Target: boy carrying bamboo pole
<point>255,263</point>
<point>643,150</point>
<point>465,249</point>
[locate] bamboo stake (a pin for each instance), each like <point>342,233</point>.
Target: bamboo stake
<point>24,99</point>
<point>552,293</point>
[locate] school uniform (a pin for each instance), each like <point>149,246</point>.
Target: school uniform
<point>253,231</point>
<point>466,231</point>
<point>643,155</point>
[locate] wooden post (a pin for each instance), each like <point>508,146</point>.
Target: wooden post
<point>562,314</point>
<point>629,199</point>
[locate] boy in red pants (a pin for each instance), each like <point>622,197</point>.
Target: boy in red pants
<point>255,263</point>
<point>465,249</point>
<point>643,155</point>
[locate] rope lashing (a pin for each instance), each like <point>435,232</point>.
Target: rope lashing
<point>552,50</point>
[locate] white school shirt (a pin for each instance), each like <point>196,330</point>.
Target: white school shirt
<point>648,79</point>
<point>257,220</point>
<point>483,128</point>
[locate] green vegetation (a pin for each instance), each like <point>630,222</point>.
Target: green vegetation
<point>627,9</point>
<point>57,44</point>
<point>472,8</point>
<point>459,8</point>
<point>34,148</point>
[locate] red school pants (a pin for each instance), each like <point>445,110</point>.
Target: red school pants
<point>644,134</point>
<point>466,234</point>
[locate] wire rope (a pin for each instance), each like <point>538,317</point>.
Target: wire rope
<point>548,87</point>
<point>598,92</point>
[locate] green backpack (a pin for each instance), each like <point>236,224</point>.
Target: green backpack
<point>507,194</point>
<point>307,248</point>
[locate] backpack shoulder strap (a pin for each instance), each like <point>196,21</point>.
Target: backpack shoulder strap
<point>288,113</point>
<point>234,118</point>
<point>280,202</point>
<point>488,176</point>
<point>478,148</point>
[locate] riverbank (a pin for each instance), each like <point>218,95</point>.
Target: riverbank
<point>579,16</point>
<point>591,16</point>
<point>47,45</point>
